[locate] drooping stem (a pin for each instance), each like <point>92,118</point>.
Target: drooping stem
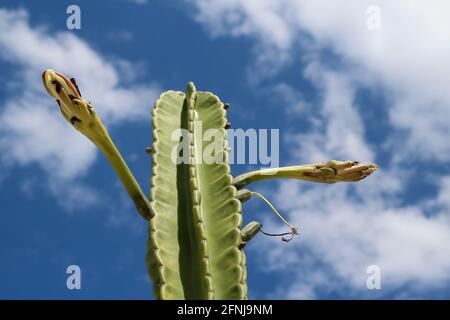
<point>108,148</point>
<point>82,116</point>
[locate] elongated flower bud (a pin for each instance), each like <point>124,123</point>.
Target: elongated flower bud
<point>325,172</point>
<point>78,111</point>
<point>81,115</point>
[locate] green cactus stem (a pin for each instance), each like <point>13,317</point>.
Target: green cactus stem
<point>194,238</point>
<point>195,245</point>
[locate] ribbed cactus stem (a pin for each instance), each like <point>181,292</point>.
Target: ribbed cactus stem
<point>195,245</point>
<point>193,248</point>
<point>195,266</point>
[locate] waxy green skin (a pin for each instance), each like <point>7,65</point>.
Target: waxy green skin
<point>196,239</point>
<point>195,247</point>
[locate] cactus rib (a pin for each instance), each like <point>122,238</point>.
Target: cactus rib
<point>193,247</point>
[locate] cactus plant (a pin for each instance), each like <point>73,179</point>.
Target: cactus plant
<point>195,245</point>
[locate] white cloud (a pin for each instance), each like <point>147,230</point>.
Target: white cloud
<point>441,203</point>
<point>243,18</point>
<point>347,227</point>
<point>35,49</point>
<point>338,130</point>
<point>31,126</point>
<point>407,56</point>
<point>342,236</point>
<point>287,95</point>
<point>31,132</point>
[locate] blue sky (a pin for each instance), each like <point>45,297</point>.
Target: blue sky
<point>335,86</point>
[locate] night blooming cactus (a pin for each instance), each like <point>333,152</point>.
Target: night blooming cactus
<point>196,239</point>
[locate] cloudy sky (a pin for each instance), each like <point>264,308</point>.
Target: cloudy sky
<point>349,80</point>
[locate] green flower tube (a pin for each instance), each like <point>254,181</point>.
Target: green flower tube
<point>82,116</point>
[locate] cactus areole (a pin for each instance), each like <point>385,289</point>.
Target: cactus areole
<point>196,239</point>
